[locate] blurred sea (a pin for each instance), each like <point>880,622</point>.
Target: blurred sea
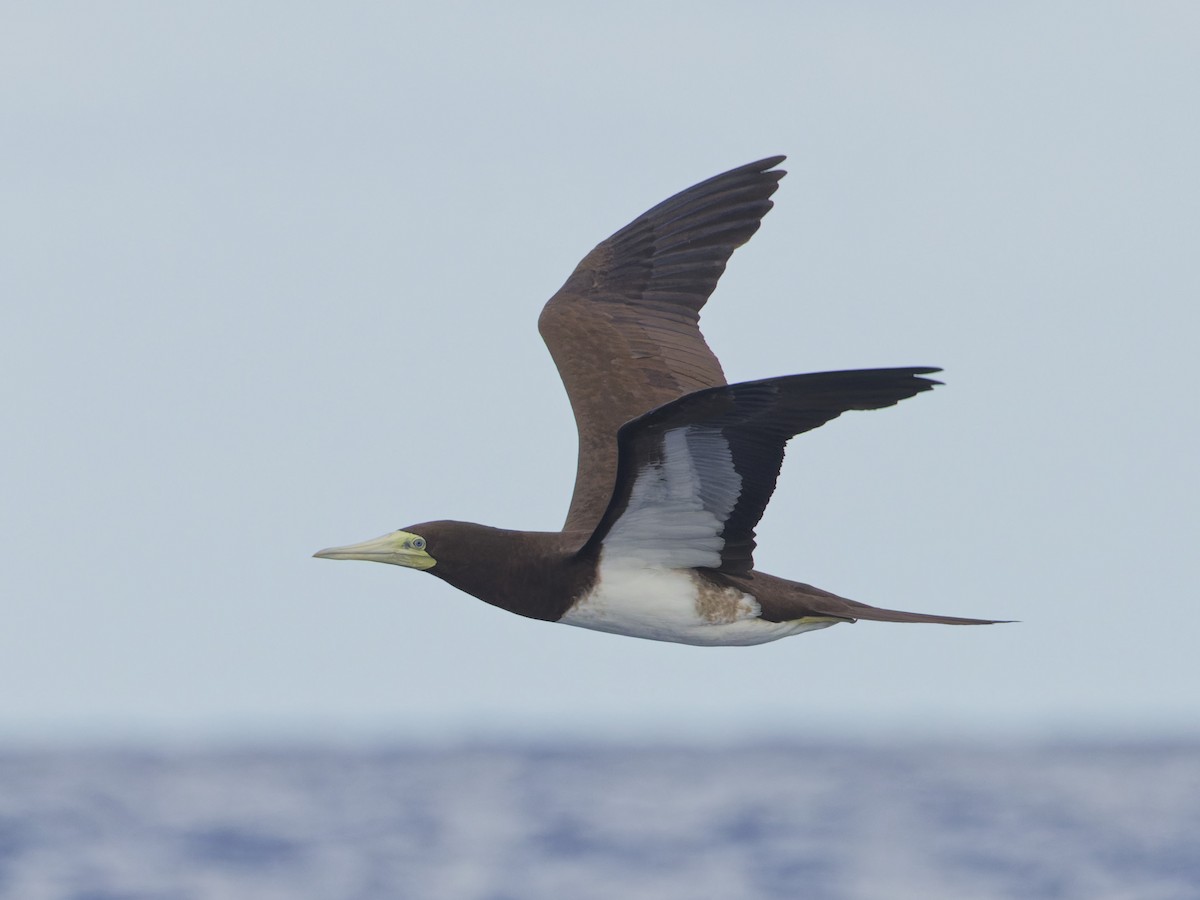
<point>535,822</point>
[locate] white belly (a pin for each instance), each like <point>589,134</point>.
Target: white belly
<point>673,605</point>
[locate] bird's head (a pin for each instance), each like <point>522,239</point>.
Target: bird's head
<point>406,547</point>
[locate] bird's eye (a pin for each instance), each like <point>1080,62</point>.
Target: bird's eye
<point>418,543</point>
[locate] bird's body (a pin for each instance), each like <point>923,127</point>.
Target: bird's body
<point>679,605</point>
<point>675,465</point>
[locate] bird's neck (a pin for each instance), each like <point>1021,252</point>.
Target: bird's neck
<point>533,574</point>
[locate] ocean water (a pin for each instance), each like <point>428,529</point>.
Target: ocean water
<point>1094,822</point>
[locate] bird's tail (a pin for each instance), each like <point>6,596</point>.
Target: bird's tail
<point>852,609</point>
<point>874,614</point>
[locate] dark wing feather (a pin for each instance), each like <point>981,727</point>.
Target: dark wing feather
<point>624,329</point>
<point>733,438</point>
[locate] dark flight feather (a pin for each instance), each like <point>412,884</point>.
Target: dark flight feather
<point>755,420</point>
<point>624,328</point>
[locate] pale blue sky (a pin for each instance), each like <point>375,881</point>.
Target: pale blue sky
<point>271,280</point>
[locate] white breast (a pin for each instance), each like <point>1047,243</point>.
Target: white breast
<point>638,600</point>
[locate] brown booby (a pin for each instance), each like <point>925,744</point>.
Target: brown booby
<point>675,465</point>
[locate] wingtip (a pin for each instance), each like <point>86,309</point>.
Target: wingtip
<point>918,373</point>
<point>764,166</point>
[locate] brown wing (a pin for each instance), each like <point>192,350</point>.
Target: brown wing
<point>624,329</point>
<point>695,475</point>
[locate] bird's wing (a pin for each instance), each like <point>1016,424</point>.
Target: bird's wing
<point>624,328</point>
<point>695,475</point>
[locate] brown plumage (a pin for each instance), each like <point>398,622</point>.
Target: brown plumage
<point>675,466</point>
<point>624,330</point>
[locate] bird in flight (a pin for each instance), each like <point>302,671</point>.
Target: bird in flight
<point>675,465</point>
